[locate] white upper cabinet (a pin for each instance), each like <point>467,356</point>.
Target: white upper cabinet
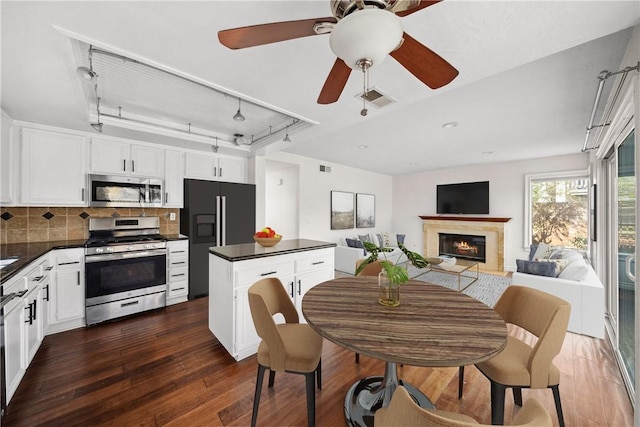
<point>110,156</point>
<point>215,168</point>
<point>7,169</point>
<point>53,168</point>
<point>173,179</point>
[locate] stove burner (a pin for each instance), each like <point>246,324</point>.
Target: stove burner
<point>116,240</point>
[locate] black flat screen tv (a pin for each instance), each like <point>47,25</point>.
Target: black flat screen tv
<point>463,198</point>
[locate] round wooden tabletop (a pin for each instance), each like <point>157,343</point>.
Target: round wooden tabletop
<point>432,326</point>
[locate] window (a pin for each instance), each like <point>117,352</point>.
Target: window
<point>557,209</point>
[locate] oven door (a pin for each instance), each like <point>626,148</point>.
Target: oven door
<point>111,277</point>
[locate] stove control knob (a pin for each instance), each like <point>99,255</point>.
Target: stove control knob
<point>129,248</point>
<point>109,249</point>
<point>99,250</point>
<point>147,246</point>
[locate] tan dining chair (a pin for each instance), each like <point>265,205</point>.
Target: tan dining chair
<point>372,269</point>
<point>519,365</point>
<point>285,347</point>
<point>403,411</point>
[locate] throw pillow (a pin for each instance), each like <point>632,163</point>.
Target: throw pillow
<point>389,240</point>
<point>542,252</point>
<point>365,238</point>
<point>539,268</point>
<point>576,270</point>
<point>400,239</point>
<point>380,240</point>
<point>358,244</point>
<point>351,242</point>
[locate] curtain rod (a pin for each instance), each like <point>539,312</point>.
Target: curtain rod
<point>604,75</point>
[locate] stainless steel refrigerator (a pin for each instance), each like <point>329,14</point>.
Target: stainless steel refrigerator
<point>214,214</point>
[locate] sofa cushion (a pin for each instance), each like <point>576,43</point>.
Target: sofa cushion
<point>575,270</point>
<point>351,242</point>
<point>366,238</point>
<point>400,238</point>
<point>539,268</point>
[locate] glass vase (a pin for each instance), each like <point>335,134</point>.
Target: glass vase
<point>388,293</point>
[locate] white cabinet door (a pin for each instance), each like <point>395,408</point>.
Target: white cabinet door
<point>33,323</point>
<point>14,349</point>
<point>247,338</point>
<point>146,161</point>
<point>109,157</point>
<point>201,166</point>
<point>306,281</point>
<point>68,296</point>
<point>7,163</point>
<point>173,179</point>
<point>232,170</point>
<point>54,168</point>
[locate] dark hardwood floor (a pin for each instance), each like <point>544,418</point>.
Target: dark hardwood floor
<point>166,368</point>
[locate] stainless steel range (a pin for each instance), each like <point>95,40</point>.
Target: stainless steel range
<point>125,267</point>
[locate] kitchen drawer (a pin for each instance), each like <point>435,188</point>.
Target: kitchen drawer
<point>178,289</point>
<point>178,261</point>
<point>319,261</point>
<point>178,274</point>
<point>178,248</point>
<point>251,275</point>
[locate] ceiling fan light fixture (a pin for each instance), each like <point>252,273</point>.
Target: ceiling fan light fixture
<point>368,33</point>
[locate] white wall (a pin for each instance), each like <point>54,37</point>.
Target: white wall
<point>415,195</point>
<point>282,199</point>
<point>315,196</point>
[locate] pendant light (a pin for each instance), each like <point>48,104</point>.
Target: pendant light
<point>286,137</point>
<point>238,117</point>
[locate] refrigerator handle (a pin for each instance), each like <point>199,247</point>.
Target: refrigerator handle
<point>218,225</point>
<point>224,220</point>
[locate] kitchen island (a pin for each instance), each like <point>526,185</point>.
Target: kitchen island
<point>300,264</point>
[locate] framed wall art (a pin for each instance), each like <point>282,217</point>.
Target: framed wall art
<point>342,212</point>
<point>365,210</point>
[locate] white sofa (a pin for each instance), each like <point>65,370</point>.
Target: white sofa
<point>586,297</point>
<point>346,257</point>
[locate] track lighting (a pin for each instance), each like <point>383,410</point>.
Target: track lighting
<point>98,125</point>
<point>87,73</point>
<point>238,117</point>
<point>286,137</point>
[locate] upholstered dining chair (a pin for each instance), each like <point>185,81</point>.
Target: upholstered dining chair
<point>403,411</point>
<point>372,269</point>
<point>285,347</point>
<point>519,365</point>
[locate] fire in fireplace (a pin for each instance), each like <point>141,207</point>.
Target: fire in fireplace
<point>463,246</point>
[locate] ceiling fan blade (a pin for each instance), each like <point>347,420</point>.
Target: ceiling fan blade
<point>336,80</point>
<point>429,67</point>
<point>257,35</point>
<point>420,6</point>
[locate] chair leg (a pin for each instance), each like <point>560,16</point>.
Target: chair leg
<point>357,357</point>
<point>311,398</point>
<point>517,396</point>
<point>460,381</point>
<point>256,397</point>
<point>497,403</point>
<point>319,375</point>
<point>272,377</point>
<point>556,397</point>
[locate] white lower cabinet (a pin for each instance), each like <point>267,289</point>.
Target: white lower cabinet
<point>177,271</point>
<point>67,301</point>
<point>229,282</point>
<point>14,345</point>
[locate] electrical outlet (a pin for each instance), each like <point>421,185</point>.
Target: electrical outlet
<point>172,216</point>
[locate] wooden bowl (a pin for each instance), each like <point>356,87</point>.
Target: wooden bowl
<point>267,242</point>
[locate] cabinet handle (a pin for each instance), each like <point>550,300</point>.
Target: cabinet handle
<point>35,311</point>
<point>220,172</point>
<point>268,273</point>
<point>83,194</point>
<point>179,262</point>
<point>178,252</point>
<point>178,289</point>
<point>47,297</point>
<point>291,294</point>
<point>78,278</point>
<point>317,263</point>
<point>124,165</point>
<point>299,284</point>
<point>215,171</point>
<point>133,166</point>
<point>125,304</point>
<point>30,320</point>
<point>48,268</point>
<point>38,278</point>
<point>69,263</point>
<point>177,275</point>
<point>166,197</point>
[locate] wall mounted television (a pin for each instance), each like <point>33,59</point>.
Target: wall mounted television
<point>463,198</point>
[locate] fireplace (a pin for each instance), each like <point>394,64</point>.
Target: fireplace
<point>463,246</point>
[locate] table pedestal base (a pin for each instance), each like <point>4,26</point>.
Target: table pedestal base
<point>369,394</point>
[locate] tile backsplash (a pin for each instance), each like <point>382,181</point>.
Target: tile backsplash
<point>46,224</point>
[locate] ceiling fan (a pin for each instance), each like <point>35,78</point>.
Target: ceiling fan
<point>363,33</point>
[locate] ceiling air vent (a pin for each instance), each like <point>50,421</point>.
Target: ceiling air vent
<point>376,98</point>
<point>324,168</point>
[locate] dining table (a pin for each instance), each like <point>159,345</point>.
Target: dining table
<point>432,326</point>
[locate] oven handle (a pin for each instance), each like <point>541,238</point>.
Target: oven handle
<point>124,255</point>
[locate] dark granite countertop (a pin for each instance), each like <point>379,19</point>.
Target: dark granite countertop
<point>253,250</point>
<point>26,253</point>
<point>173,237</point>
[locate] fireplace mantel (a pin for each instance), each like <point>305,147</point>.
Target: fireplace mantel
<point>465,218</point>
<point>492,228</point>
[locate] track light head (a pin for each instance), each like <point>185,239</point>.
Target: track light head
<point>86,73</point>
<point>97,126</point>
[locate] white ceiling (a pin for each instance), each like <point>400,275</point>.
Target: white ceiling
<point>528,73</point>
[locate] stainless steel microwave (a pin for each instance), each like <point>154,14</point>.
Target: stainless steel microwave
<point>112,191</point>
